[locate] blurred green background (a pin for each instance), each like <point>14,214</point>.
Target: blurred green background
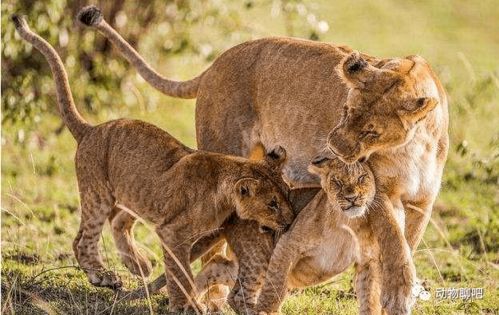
<point>40,217</point>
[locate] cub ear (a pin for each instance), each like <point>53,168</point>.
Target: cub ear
<point>319,165</point>
<point>358,73</point>
<point>257,152</point>
<point>246,187</point>
<point>416,110</point>
<point>276,157</point>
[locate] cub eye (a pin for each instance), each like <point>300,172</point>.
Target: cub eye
<point>369,134</point>
<point>362,179</point>
<point>337,182</point>
<point>273,204</point>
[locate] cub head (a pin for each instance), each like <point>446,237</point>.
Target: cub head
<point>262,194</point>
<point>385,102</point>
<point>350,186</point>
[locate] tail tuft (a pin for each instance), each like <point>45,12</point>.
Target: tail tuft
<point>19,22</point>
<point>90,15</point>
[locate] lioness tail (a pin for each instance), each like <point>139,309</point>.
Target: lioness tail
<point>92,16</point>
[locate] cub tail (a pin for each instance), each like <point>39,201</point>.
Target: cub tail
<point>70,116</point>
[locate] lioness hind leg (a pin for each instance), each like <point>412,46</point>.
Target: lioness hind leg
<point>122,224</point>
<point>96,205</point>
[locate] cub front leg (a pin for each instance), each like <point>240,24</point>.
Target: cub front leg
<point>275,288</point>
<point>398,271</point>
<point>182,292</point>
<point>368,274</point>
<point>251,274</point>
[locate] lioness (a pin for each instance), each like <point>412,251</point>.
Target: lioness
<point>298,93</point>
<point>183,192</point>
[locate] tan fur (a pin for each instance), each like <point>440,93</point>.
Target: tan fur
<point>300,93</point>
<point>184,193</point>
<point>243,273</point>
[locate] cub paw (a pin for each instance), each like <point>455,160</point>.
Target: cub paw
<point>240,304</point>
<point>105,278</point>
<point>189,308</point>
<point>138,265</point>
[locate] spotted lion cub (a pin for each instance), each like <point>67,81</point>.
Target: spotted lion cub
<point>184,193</point>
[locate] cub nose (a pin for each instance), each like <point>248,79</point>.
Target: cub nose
<point>351,198</point>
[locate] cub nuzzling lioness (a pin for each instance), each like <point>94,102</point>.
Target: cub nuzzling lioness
<point>185,193</point>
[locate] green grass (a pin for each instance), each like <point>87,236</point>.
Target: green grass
<point>460,248</point>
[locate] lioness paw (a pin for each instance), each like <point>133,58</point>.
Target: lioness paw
<point>397,296</point>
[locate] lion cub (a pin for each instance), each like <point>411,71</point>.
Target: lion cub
<point>184,193</point>
<point>327,236</point>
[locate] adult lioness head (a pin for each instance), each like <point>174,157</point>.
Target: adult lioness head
<point>262,197</point>
<point>350,186</point>
<point>385,102</point>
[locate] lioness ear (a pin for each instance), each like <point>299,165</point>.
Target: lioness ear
<point>358,73</point>
<point>416,109</point>
<point>276,157</point>
<point>246,187</point>
<point>319,165</point>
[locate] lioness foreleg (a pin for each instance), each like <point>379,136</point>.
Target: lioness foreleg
<point>417,218</point>
<point>398,271</point>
